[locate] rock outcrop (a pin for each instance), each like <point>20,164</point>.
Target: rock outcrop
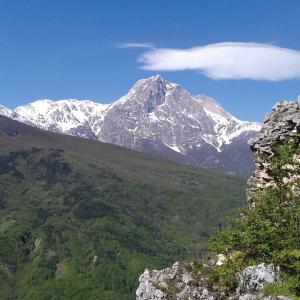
<point>255,278</point>
<point>179,282</point>
<point>281,128</point>
<point>187,282</point>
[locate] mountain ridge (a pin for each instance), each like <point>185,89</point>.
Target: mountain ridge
<point>155,116</point>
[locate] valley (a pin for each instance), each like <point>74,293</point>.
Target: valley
<point>81,218</point>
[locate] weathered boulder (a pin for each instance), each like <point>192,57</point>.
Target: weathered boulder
<point>147,289</point>
<point>176,283</point>
<point>255,278</point>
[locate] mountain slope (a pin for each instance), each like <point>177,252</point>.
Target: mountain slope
<point>74,117</point>
<point>80,219</point>
<point>8,112</point>
<point>155,116</point>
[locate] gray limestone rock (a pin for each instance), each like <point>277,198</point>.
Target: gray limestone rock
<point>175,282</point>
<point>255,278</point>
<point>280,126</point>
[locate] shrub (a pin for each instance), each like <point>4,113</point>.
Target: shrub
<point>269,230</point>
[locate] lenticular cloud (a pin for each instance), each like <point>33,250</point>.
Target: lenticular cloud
<point>228,61</point>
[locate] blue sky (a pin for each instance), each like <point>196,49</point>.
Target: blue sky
<point>68,49</point>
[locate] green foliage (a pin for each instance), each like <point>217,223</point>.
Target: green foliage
<point>265,229</point>
<point>287,287</point>
<point>223,278</point>
<point>84,227</point>
<point>269,230</point>
<point>283,155</point>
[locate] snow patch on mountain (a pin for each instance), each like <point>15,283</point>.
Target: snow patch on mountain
<point>175,148</point>
<point>70,116</point>
<point>154,112</point>
<point>228,127</point>
<point>7,112</point>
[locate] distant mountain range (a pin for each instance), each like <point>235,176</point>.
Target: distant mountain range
<point>157,117</point>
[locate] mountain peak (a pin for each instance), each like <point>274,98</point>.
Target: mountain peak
<point>157,77</point>
<point>155,114</point>
<point>155,84</point>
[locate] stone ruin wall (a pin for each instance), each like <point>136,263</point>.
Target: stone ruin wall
<point>279,126</point>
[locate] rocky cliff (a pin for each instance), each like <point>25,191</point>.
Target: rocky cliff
<point>276,150</point>
<point>186,281</point>
<point>280,132</point>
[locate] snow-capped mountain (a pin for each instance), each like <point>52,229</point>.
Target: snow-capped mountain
<point>155,116</point>
<point>7,112</point>
<point>75,117</point>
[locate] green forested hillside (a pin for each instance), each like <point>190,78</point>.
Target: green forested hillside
<point>81,219</point>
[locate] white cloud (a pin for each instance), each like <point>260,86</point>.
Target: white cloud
<point>226,61</point>
<point>136,45</point>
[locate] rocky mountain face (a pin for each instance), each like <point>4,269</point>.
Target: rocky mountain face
<point>279,136</point>
<point>82,118</point>
<point>184,281</point>
<point>155,116</point>
<point>280,126</point>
